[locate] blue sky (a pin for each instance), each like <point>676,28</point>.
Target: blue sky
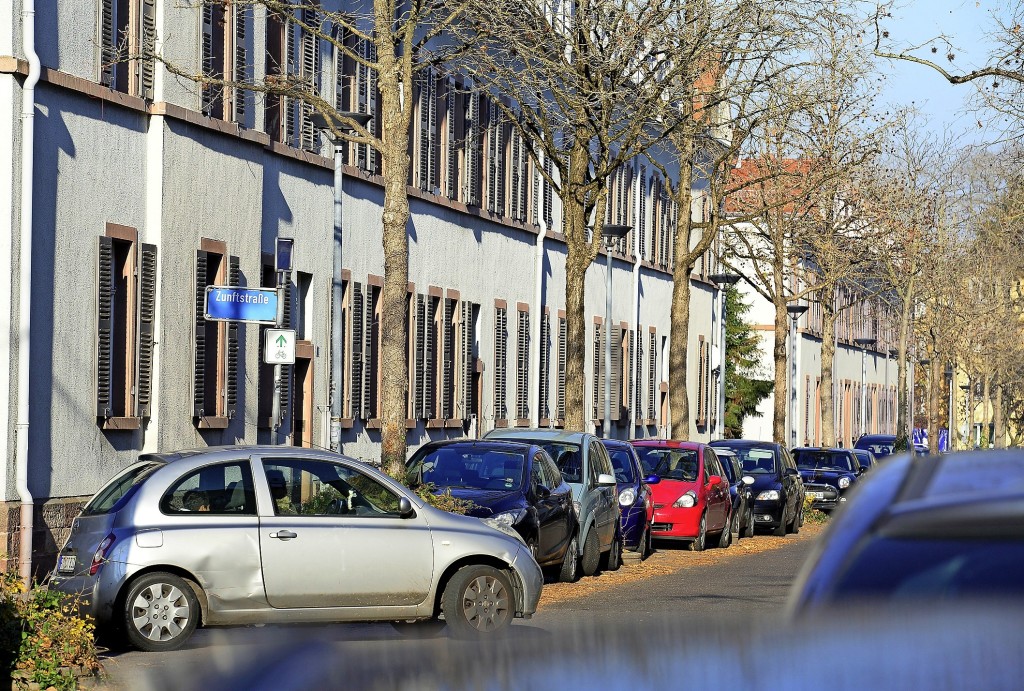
<point>965,23</point>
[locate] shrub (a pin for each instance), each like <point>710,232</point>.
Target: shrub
<point>814,516</point>
<point>445,500</point>
<point>42,639</point>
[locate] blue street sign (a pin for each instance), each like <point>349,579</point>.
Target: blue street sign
<point>254,305</point>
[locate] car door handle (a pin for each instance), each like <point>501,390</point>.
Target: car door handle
<point>283,535</point>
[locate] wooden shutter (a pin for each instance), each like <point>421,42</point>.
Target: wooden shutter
<point>544,375</point>
<point>452,150</point>
<point>199,368</point>
<point>369,409</point>
<point>428,410</point>
<point>549,216</point>
<point>356,362</point>
<point>148,46</point>
<point>641,223</point>
<point>616,372</point>
<point>284,396</point>
<point>636,404</point>
<point>146,331</point>
<point>500,363</point>
<point>427,176</point>
<point>447,360</point>
<point>241,74</point>
<point>560,386</point>
<point>627,372</point>
<point>523,365</point>
<point>466,363</point>
<point>702,357</point>
<point>104,327</point>
<point>208,91</point>
<point>598,374</point>
<point>290,50</point>
<point>231,351</point>
<point>473,143</point>
<point>652,376</point>
<point>310,49</point>
<point>418,358</point>
<point>109,54</point>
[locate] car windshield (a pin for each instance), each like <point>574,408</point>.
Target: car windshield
<point>468,466</point>
<point>669,464</point>
<point>623,465</point>
<point>567,458</point>
<point>755,459</point>
<point>864,458</point>
<point>879,446</point>
<point>727,466</point>
<point>822,460</point>
<point>113,491</point>
<point>925,569</point>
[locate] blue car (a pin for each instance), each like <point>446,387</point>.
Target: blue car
<point>828,474</point>
<point>739,489</point>
<point>778,488</point>
<point>513,483</point>
<point>634,496</point>
<point>866,458</point>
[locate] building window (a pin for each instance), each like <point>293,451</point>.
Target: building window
<point>523,364</point>
<point>495,160</point>
<point>127,32</point>
<point>427,139</point>
<point>292,55</point>
<point>474,137</point>
<point>500,363</point>
<point>364,351</point>
<point>215,366</point>
<point>226,46</point>
<point>126,314</point>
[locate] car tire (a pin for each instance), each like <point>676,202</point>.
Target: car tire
<point>725,537</point>
<point>736,527</point>
<point>780,529</point>
<point>643,545</point>
<point>748,529</point>
<point>420,628</point>
<point>160,612</point>
<point>612,559</point>
<point>478,601</point>
<point>798,520</point>
<point>591,559</point>
<point>697,544</point>
<point>570,572</point>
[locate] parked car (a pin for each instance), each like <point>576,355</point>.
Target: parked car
<point>778,489</point>
<point>635,501</point>
<point>927,533</point>
<point>866,458</point>
<point>881,445</point>
<point>692,500</point>
<point>279,534</point>
<point>828,474</point>
<point>586,467</point>
<point>515,484</point>
<point>739,490</point>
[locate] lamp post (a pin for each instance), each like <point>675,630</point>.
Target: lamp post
<point>611,233</point>
<point>892,353</point>
<point>863,343</point>
<point>924,362</point>
<point>966,388</point>
<point>722,283</point>
<point>794,311</point>
<point>331,126</point>
<point>949,413</point>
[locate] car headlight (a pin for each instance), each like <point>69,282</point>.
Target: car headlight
<point>509,518</point>
<point>768,495</point>
<point>844,482</point>
<point>502,527</point>
<point>627,497</point>
<point>686,501</point>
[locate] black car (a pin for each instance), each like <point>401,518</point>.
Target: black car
<point>511,482</point>
<point>827,474</point>
<point>778,489</point>
<point>739,490</point>
<point>925,533</point>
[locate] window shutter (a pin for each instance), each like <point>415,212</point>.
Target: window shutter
<point>636,404</point>
<point>452,182</point>
<point>104,326</point>
<point>544,376</point>
<point>627,372</point>
<point>418,356</point>
<point>290,69</point>
<point>208,91</point>
<point>598,374</point>
<point>108,43</point>
<point>515,176</point>
<point>310,67</point>
<point>652,376</point>
<point>147,326</point>
<point>372,162</point>
<point>702,383</point>
<point>148,40</point>
<point>549,216</point>
<point>356,363</point>
<point>447,360</point>
<point>369,356</point>
<point>199,370</point>
<point>473,142</point>
<point>429,362</point>
<point>500,363</point>
<point>241,19</point>
<point>560,395</point>
<point>286,370</point>
<point>616,373</point>
<point>523,366</point>
<point>642,213</point>
<point>466,358</point>
<point>231,374</point>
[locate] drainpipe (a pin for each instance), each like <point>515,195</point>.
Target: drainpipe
<point>538,300</point>
<point>28,30</point>
<point>637,398</point>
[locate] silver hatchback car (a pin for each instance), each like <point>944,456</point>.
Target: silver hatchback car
<point>276,534</point>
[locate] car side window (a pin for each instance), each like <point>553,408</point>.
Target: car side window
<point>538,474</point>
<point>599,461</point>
<point>553,473</point>
<point>221,489</point>
<point>304,487</point>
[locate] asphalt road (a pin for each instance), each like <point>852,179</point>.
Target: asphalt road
<point>739,588</point>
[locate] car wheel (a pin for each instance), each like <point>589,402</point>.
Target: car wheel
<point>612,559</point>
<point>478,601</point>
<point>780,529</point>
<point>643,545</point>
<point>735,528</point>
<point>748,529</point>
<point>420,628</point>
<point>697,544</point>
<point>798,520</point>
<point>531,545</point>
<point>725,537</point>
<point>591,553</point>
<point>160,612</point>
<point>570,562</point>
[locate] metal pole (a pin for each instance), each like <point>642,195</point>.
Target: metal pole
<point>337,295</point>
<point>607,346</point>
<point>910,397</point>
<point>863,390</point>
<point>721,372</point>
<point>950,434</point>
<point>792,381</point>
<point>885,398</point>
<point>276,403</point>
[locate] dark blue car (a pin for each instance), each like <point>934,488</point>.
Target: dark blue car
<point>739,489</point>
<point>634,496</point>
<point>514,483</point>
<point>828,474</point>
<point>778,489</point>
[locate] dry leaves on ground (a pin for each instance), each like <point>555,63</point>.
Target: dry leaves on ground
<point>666,560</point>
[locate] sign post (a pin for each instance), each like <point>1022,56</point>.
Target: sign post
<point>279,347</point>
<point>283,249</point>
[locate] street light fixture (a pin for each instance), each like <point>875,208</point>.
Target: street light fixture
<point>722,282</point>
<point>863,343</point>
<point>795,311</point>
<point>329,125</point>
<point>612,233</point>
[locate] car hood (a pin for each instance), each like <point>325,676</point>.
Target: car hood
<point>488,502</point>
<point>763,481</point>
<point>828,477</point>
<point>667,491</point>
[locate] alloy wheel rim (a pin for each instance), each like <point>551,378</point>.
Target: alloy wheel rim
<point>160,612</point>
<point>574,555</point>
<point>485,603</point>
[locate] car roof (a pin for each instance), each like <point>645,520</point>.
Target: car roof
<point>668,444</point>
<point>489,443</point>
<point>233,450</point>
<point>538,433</point>
<point>742,443</point>
<point>819,448</point>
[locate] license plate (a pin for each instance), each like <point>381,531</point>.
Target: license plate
<point>816,495</point>
<point>66,563</point>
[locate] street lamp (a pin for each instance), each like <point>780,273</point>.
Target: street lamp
<point>330,126</point>
<point>863,343</point>
<point>611,233</point>
<point>966,388</point>
<point>722,282</point>
<point>924,362</point>
<point>794,311</point>
<point>892,353</point>
<point>949,414</point>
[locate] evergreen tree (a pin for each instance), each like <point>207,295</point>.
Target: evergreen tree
<point>743,390</point>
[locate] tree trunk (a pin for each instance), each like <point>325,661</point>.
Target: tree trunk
<point>828,355</point>
<point>934,403</point>
<point>986,397</point>
<point>999,427</point>
<point>903,411</point>
<point>577,260</point>
<point>781,385</point>
<point>679,400</point>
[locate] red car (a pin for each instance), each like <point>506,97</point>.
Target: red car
<point>692,500</point>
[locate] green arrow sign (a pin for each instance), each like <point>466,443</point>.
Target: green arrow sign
<point>281,340</point>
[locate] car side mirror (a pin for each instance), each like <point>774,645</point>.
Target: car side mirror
<point>791,471</point>
<point>652,480</point>
<point>606,480</point>
<point>747,480</point>
<point>405,508</point>
<point>543,492</point>
<point>861,470</point>
<point>714,480</point>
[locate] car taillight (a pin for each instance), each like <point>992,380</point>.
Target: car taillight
<point>100,555</point>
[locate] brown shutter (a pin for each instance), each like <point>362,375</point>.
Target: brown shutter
<point>544,376</point>
<point>104,326</point>
<point>199,366</point>
<point>429,358</point>
<point>562,346</point>
<point>523,366</point>
<point>419,357</point>
<point>598,396</point>
<point>369,408</point>
<point>466,359</point>
<point>447,360</point>
<point>616,373</point>
<point>284,395</point>
<point>147,326</point>
<point>241,56</point>
<point>231,385</point>
<point>356,362</point>
<point>500,363</point>
<point>147,65</point>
